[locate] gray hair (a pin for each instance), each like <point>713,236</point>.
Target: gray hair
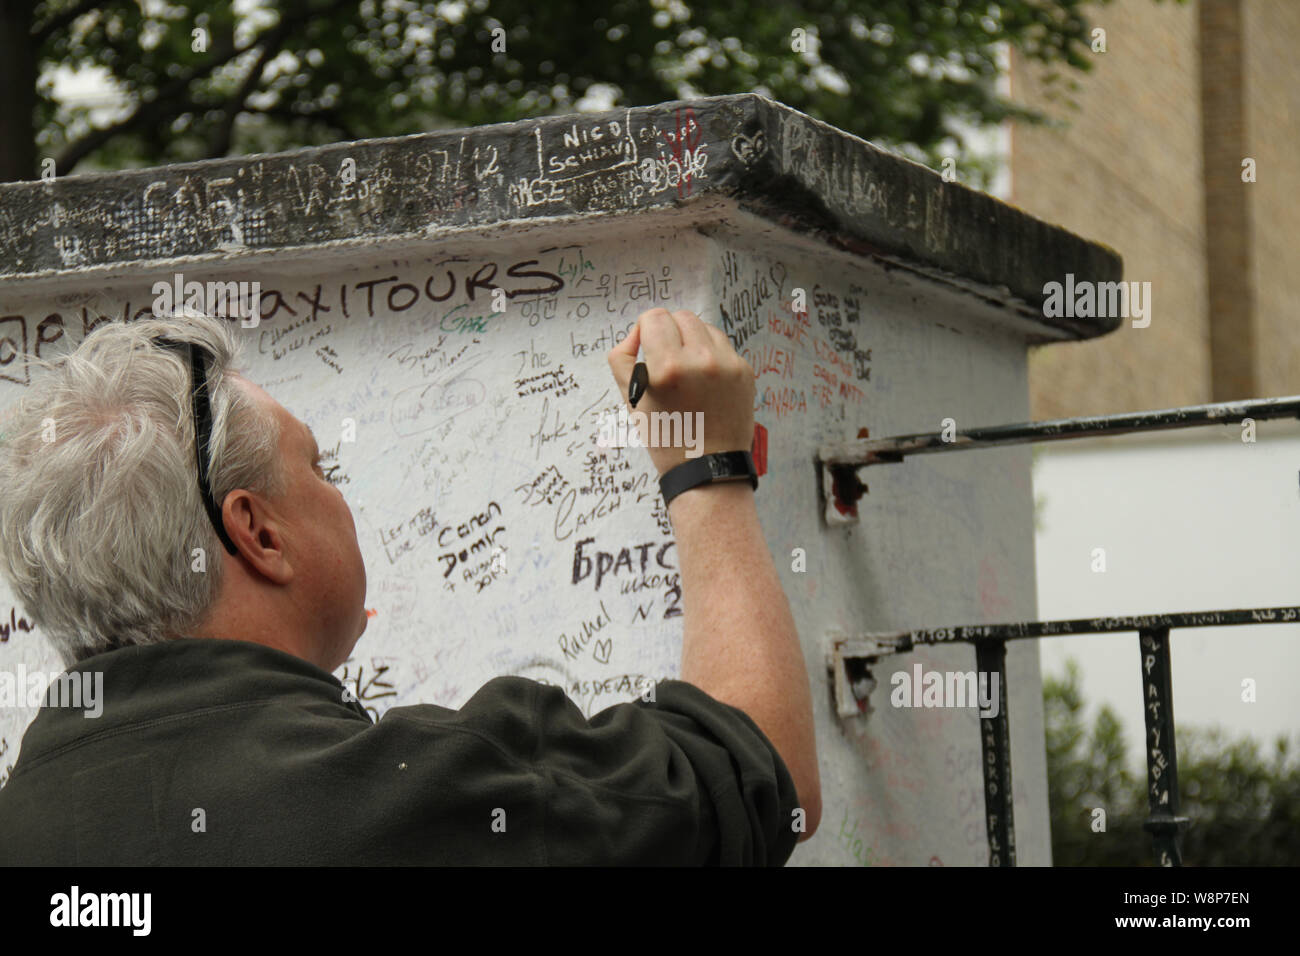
<point>101,513</point>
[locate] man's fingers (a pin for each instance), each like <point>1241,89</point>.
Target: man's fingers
<point>661,341</point>
<point>622,357</point>
<point>694,332</point>
<point>725,350</point>
<point>631,342</point>
<point>671,342</point>
<point>719,337</point>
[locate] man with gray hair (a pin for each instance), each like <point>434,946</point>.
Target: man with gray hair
<point>166,522</point>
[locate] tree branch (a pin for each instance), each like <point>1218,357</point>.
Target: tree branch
<point>62,20</point>
<point>219,144</point>
<point>152,111</point>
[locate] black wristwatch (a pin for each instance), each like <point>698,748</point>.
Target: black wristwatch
<point>721,466</point>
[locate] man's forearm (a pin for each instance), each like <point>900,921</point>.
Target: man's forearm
<point>740,643</point>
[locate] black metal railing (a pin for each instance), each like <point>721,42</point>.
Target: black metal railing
<point>842,461</point>
<point>852,657</point>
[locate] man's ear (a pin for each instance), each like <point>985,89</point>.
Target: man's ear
<point>257,531</point>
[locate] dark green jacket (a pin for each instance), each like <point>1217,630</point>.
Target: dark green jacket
<point>228,752</point>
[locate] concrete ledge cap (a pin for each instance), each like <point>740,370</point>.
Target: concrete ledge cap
<point>770,160</point>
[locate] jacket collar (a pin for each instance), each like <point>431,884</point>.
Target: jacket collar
<point>159,681</point>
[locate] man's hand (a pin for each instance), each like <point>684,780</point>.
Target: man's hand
<point>693,368</point>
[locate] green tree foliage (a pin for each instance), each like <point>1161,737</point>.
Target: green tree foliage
<point>909,74</point>
<point>1244,806</point>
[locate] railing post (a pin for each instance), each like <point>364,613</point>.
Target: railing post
<point>850,657</point>
<point>1163,824</point>
<point>995,738</point>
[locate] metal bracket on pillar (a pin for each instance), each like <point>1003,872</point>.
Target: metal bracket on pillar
<point>842,463</point>
<point>849,661</point>
<point>1164,824</point>
<point>842,487</point>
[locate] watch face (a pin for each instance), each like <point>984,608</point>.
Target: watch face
<point>723,466</point>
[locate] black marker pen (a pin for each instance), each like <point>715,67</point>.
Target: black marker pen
<point>639,383</point>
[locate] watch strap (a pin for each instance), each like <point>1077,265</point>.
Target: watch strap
<point>707,469</point>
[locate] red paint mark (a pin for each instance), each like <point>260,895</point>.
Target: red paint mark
<point>782,326</point>
<point>770,358</point>
<point>826,375</point>
<point>371,612</point>
<point>845,493</point>
<point>784,401</point>
<point>758,448</point>
<point>683,143</point>
<point>827,354</point>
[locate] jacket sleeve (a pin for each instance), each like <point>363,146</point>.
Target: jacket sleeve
<point>682,780</point>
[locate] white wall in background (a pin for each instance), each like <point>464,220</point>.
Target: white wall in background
<point>1190,521</point>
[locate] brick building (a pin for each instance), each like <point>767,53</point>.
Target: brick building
<point>1151,164</point>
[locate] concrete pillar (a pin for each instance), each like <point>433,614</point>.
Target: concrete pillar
<point>865,291</point>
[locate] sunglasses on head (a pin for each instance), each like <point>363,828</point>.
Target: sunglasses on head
<point>199,357</point>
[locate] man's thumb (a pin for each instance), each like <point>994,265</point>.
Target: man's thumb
<point>622,357</point>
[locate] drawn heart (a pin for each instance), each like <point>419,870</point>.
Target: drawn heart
<point>777,272</point>
<point>601,652</point>
<point>747,149</point>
